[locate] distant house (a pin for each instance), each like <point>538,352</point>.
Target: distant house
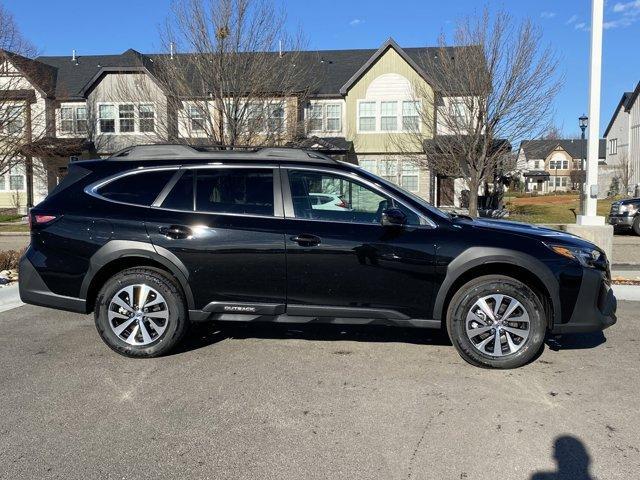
<point>547,165</point>
<point>623,138</point>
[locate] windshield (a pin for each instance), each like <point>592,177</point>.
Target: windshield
<point>419,200</point>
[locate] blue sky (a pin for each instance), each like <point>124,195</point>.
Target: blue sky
<point>113,26</point>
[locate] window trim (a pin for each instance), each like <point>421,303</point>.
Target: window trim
<point>324,116</point>
<point>378,116</point>
<point>289,213</point>
<point>116,119</point>
<point>613,146</point>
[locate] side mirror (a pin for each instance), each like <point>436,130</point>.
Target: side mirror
<point>393,217</point>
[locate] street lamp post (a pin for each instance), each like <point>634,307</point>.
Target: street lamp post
<point>583,121</point>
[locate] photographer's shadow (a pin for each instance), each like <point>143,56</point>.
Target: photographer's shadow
<point>572,460</point>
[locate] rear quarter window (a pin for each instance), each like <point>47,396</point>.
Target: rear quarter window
<point>138,188</point>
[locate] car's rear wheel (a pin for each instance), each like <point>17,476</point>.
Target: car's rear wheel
<point>140,312</point>
<point>496,321</point>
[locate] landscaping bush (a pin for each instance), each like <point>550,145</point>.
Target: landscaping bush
<point>9,259</point>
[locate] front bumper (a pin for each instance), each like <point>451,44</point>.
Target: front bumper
<point>595,307</point>
<point>621,221</point>
<point>34,291</point>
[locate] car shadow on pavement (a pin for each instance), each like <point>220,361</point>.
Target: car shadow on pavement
<point>205,334</point>
<point>575,341</point>
<point>572,459</point>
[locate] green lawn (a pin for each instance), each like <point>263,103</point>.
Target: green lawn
<point>549,209</point>
<point>9,218</point>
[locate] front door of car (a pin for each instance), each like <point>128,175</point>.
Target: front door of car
<point>226,225</point>
<point>342,262</point>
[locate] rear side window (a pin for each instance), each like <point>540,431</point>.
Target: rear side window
<point>235,190</point>
<point>139,188</point>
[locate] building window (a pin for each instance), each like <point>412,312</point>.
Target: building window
<point>388,116</point>
<point>146,114</point>
<point>107,116</point>
<point>367,116</point>
<point>255,117</point>
<point>369,165</point>
<point>457,111</point>
<point>81,120</point>
<point>334,117</point>
<point>16,182</point>
<point>275,118</point>
<point>127,118</point>
<point>565,164</point>
<point>66,120</point>
<point>409,179</point>
<point>410,121</point>
<point>196,118</point>
<point>613,146</point>
<point>2,187</point>
<point>388,169</point>
<point>14,120</point>
<point>315,117</point>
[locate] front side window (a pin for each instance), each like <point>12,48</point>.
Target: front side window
<point>127,118</point>
<point>367,116</point>
<point>137,189</point>
<point>107,116</point>
<point>235,190</point>
<point>344,200</point>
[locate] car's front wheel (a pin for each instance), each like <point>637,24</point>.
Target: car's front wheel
<point>496,321</point>
<point>140,312</point>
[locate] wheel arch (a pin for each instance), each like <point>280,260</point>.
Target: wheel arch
<point>478,261</point>
<point>118,255</point>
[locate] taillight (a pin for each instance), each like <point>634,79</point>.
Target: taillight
<point>40,219</point>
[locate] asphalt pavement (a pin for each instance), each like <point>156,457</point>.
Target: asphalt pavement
<point>320,402</point>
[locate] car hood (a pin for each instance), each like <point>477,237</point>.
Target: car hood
<point>544,234</point>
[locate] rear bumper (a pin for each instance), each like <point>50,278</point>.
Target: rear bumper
<point>622,221</point>
<point>34,291</point>
<point>595,308</point>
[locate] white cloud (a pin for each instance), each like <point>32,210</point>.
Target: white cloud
<point>356,21</point>
<point>621,7</point>
<point>581,26</point>
<point>547,14</point>
<point>572,19</point>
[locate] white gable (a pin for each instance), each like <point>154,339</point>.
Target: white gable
<point>390,86</point>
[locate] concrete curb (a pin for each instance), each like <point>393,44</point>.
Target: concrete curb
<point>10,298</point>
<point>15,234</point>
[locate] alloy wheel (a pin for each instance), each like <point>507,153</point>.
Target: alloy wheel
<point>138,314</point>
<point>497,325</point>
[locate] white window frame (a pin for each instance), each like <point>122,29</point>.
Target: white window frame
<point>378,116</point>
<point>22,181</point>
<point>338,117</point>
<point>152,118</point>
<point>75,119</point>
<point>116,118</point>
<point>313,106</point>
<point>613,146</point>
<point>2,183</point>
<point>8,126</point>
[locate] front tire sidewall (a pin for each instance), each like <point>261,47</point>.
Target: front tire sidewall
<point>466,297</point>
<point>175,304</point>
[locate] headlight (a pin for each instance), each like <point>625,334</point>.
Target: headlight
<point>587,257</point>
<point>629,208</point>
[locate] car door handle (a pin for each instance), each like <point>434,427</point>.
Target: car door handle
<point>175,231</point>
<point>306,240</point>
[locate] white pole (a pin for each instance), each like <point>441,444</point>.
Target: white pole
<point>590,215</point>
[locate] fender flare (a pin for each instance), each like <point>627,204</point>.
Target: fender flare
<point>476,256</point>
<point>117,249</point>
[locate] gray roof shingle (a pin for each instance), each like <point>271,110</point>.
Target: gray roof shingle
<point>540,149</point>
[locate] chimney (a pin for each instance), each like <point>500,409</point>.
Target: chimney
<point>280,48</point>
<point>171,49</point>
<point>74,59</point>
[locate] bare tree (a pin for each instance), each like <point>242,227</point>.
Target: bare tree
<point>497,84</point>
<point>552,133</point>
<point>241,78</point>
<point>624,170</point>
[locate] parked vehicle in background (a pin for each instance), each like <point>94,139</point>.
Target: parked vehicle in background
<point>625,215</point>
<point>156,237</point>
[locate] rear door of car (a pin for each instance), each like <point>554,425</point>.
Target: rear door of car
<point>225,224</point>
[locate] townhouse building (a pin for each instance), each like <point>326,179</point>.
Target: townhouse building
<point>551,165</point>
<point>623,140</point>
<point>362,106</point>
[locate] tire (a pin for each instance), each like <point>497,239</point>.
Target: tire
<point>155,334</point>
<point>478,347</point>
<point>636,225</point>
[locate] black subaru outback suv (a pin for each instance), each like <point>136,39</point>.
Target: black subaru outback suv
<point>157,237</point>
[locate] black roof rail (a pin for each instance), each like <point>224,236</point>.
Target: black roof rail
<point>181,151</point>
